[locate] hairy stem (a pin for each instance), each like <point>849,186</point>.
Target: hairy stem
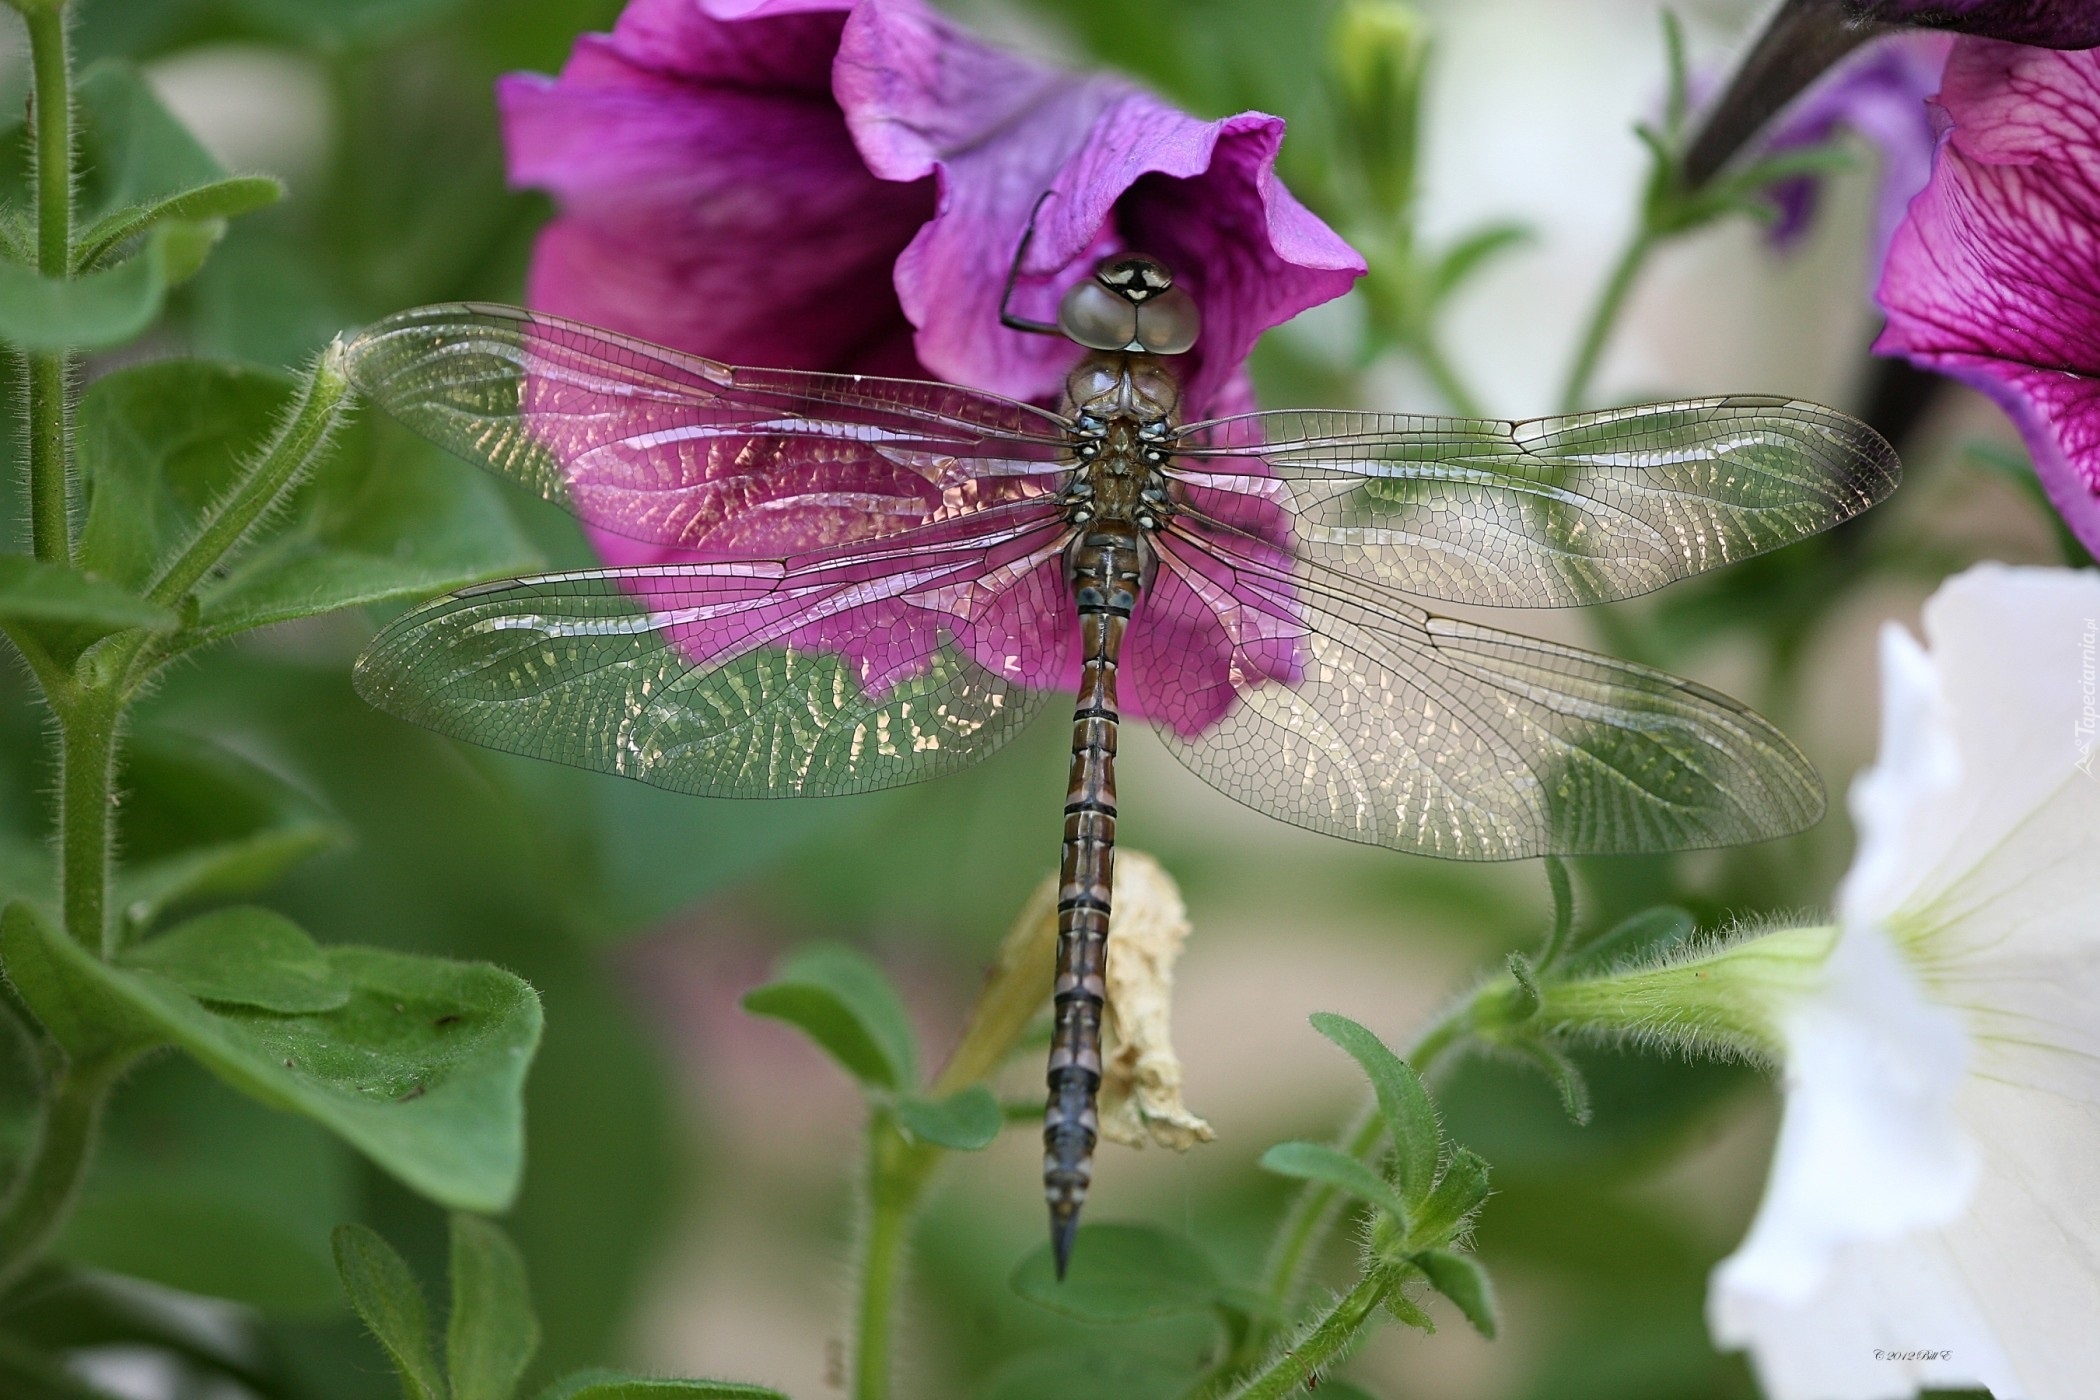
<point>1328,1341</point>
<point>49,414</point>
<point>298,444</point>
<point>49,1183</point>
<point>1604,319</point>
<point>87,815</point>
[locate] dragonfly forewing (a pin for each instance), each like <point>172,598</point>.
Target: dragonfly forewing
<point>1554,512</point>
<point>676,450</point>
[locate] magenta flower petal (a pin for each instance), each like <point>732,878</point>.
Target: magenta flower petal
<point>710,196</point>
<point>1124,170</point>
<point>2055,24</point>
<point>1994,276</point>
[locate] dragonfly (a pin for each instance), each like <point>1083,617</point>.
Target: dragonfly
<point>879,581</point>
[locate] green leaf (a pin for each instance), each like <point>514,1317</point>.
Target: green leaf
<point>105,307</point>
<point>613,1385</point>
<point>158,444</point>
<point>200,821</point>
<point>90,1020</point>
<point>839,998</point>
<point>1562,1072</point>
<point>1405,1311</point>
<point>131,150</point>
<point>1640,937</point>
<point>199,1189</point>
<point>1403,1101</point>
<point>1472,253</point>
<point>245,956</point>
<point>213,202</point>
<point>421,1069</point>
<point>1121,1273</point>
<point>1460,1278</point>
<point>1312,1161</point>
<point>966,1121</point>
<point>387,1297</point>
<point>384,520</point>
<point>492,1332</point>
<point>1089,1373</point>
<point>1460,1192</point>
<point>1343,1390</point>
<point>34,591</point>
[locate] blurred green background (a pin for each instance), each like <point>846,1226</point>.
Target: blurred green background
<point>689,1185</point>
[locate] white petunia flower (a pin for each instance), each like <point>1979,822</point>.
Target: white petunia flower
<point>1933,1213</point>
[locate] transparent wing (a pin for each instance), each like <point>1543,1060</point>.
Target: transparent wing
<point>831,673</point>
<point>676,450</point>
<point>1550,513</point>
<point>1353,712</point>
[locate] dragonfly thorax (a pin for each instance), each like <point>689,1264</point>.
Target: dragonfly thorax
<point>1122,411</point>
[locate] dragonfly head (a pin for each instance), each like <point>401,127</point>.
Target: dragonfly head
<point>1130,303</point>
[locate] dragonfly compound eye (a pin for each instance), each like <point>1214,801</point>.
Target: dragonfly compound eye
<point>1168,324</point>
<point>1098,318</point>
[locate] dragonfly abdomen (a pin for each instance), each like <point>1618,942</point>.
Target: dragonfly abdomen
<point>1106,569</point>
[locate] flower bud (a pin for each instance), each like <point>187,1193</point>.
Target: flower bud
<point>1378,51</point>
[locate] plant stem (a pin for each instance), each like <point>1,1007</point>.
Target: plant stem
<point>897,1175</point>
<point>48,1185</point>
<point>1330,1338</point>
<point>49,370</point>
<point>899,1171</point>
<point>86,815</point>
<point>297,445</point>
<point>1604,319</point>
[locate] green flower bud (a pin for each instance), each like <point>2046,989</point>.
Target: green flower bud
<point>1378,51</point>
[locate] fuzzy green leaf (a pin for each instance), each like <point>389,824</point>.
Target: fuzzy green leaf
<point>387,1297</point>
<point>839,998</point>
<point>1072,1372</point>
<point>1458,1195</point>
<point>213,201</point>
<point>1460,1278</point>
<point>966,1121</point>
<point>36,592</point>
<point>612,1385</point>
<point>245,956</point>
<point>1562,1072</point>
<point>1312,1161</point>
<point>493,1332</point>
<point>1121,1273</point>
<point>1405,1311</point>
<point>422,1069</point>
<point>1403,1101</point>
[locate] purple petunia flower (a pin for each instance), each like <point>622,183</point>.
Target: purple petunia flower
<point>1881,92</point>
<point>1994,275</point>
<point>831,185</point>
<point>2054,24</point>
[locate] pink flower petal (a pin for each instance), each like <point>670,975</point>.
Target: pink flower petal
<point>1994,276</point>
<point>1124,170</point>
